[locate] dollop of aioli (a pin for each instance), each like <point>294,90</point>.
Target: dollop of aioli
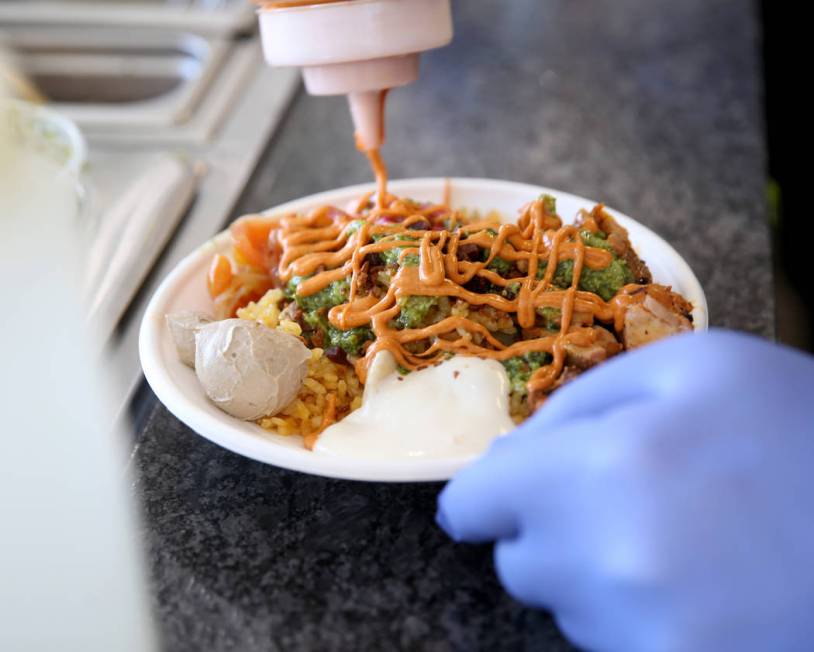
<point>247,369</point>
<point>453,409</point>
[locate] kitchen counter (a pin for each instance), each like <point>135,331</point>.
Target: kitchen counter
<point>652,107</point>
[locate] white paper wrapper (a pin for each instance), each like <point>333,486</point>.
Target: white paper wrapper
<point>182,327</point>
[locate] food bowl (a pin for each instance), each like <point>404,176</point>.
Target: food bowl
<point>185,289</point>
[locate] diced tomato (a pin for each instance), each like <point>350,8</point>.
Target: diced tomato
<point>389,219</point>
<point>250,236</point>
<point>220,275</point>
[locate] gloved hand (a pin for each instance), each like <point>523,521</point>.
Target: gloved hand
<point>662,501</point>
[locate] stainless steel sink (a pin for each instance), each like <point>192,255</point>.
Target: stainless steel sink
<point>224,17</point>
<point>106,76</point>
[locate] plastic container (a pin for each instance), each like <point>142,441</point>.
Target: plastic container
<point>357,48</point>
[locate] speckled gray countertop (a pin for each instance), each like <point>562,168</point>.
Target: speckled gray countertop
<point>650,106</point>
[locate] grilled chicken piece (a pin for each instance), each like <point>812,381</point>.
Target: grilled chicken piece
<point>618,238</point>
<point>585,357</point>
<point>536,399</point>
<point>292,312</point>
<point>659,312</point>
<point>577,360</point>
<point>364,282</point>
<point>568,374</point>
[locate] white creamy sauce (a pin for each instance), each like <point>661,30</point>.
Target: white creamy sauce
<point>450,410</point>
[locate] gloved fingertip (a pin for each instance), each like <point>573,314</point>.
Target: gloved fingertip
<point>441,515</point>
<point>443,523</point>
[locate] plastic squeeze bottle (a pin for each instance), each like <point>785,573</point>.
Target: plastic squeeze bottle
<point>358,48</point>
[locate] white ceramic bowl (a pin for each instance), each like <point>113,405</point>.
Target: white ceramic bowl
<point>185,289</point>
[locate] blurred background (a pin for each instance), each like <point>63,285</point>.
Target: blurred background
<point>175,105</point>
<point>162,124</point>
<point>785,142</point>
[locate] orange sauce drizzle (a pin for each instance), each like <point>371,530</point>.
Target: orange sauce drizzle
<point>322,246</point>
<point>288,4</point>
<point>374,156</point>
<point>380,173</point>
<point>328,418</point>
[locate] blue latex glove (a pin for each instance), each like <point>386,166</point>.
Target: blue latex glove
<point>662,501</point>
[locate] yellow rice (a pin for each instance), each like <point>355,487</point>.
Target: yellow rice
<point>305,414</point>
